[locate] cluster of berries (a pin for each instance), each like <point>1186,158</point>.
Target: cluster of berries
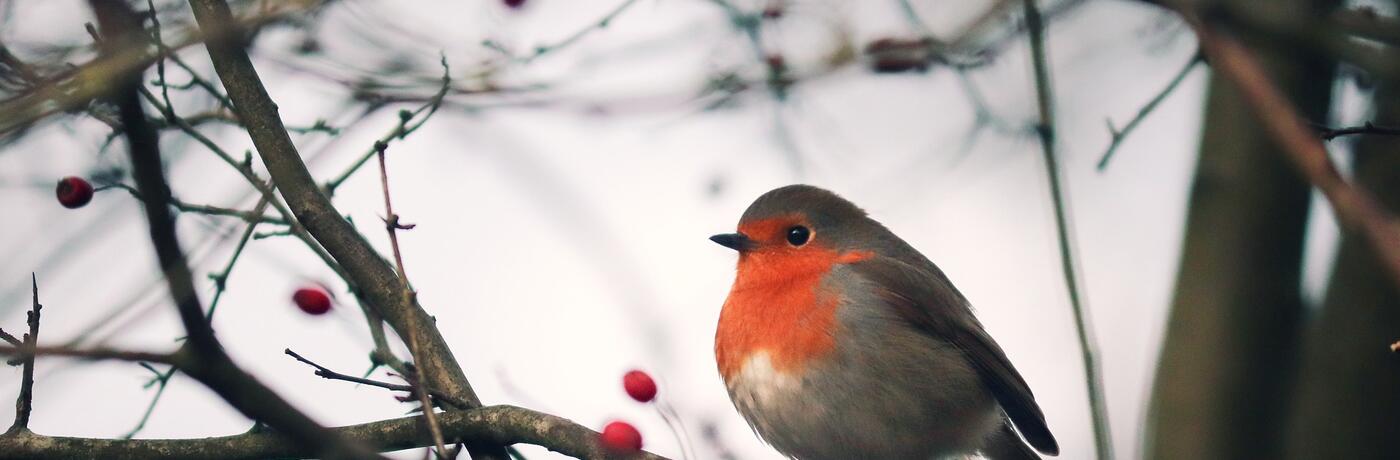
<point>621,437</point>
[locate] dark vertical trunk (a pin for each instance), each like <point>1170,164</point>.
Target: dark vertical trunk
<point>1230,346</point>
<point>1348,398</point>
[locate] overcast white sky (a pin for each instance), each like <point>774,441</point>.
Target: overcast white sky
<point>559,245</point>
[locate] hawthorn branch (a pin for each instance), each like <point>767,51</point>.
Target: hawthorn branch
<point>24,403</point>
<point>211,365</point>
<point>485,425</point>
<point>29,351</point>
<point>326,373</point>
<point>392,226</point>
<point>368,271</point>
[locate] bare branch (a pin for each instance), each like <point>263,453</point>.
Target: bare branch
<point>367,271</point>
<point>392,226</point>
<point>326,373</point>
<point>1117,135</point>
<point>211,365</point>
<point>1046,129</point>
<point>77,87</point>
<point>24,403</point>
<point>1367,128</point>
<point>488,425</point>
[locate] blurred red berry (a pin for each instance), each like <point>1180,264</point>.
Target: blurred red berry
<point>776,63</point>
<point>621,438</point>
<point>774,10</point>
<point>73,192</point>
<point>639,385</point>
<point>515,3</point>
<point>312,300</point>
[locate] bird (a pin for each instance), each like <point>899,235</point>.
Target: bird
<point>839,340</point>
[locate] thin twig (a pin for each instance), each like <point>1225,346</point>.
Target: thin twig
<point>1117,135</point>
<point>24,403</point>
<point>253,216</point>
<point>405,127</point>
<point>1328,134</point>
<point>221,278</point>
<point>30,351</point>
<point>542,50</point>
<point>1046,128</point>
<point>324,372</point>
<point>392,226</point>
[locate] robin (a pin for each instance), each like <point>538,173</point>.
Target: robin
<point>841,341</point>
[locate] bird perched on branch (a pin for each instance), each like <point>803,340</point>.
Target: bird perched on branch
<point>840,341</point>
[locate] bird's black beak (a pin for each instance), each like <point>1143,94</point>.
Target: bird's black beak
<point>735,241</point>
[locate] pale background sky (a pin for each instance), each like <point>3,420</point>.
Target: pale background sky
<point>561,244</point>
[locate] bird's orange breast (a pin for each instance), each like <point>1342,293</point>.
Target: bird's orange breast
<point>779,307</point>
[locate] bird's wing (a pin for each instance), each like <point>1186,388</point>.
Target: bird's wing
<point>927,299</point>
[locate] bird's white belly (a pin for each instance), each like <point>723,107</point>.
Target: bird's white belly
<point>758,385</point>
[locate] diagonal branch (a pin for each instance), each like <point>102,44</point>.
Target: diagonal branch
<point>369,272</point>
<point>1117,135</point>
<point>210,364</point>
<point>1355,208</point>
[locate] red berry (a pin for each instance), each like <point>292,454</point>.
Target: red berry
<point>774,10</point>
<point>73,192</point>
<point>776,63</point>
<point>621,438</point>
<point>515,3</point>
<point>311,300</point>
<point>639,385</point>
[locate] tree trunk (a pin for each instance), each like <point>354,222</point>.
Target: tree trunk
<point>1229,350</point>
<point>1348,398</point>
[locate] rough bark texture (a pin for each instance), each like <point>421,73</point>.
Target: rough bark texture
<point>1230,345</point>
<point>1348,399</point>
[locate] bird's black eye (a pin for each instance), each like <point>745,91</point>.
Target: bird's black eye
<point>798,235</point>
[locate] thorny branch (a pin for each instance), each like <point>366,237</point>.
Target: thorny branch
<point>485,425</point>
<point>324,372</point>
<point>213,367</point>
<point>24,403</point>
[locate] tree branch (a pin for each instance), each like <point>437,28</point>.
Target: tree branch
<point>1093,377</point>
<point>368,271</point>
<point>1367,128</point>
<point>29,351</point>
<point>1117,135</point>
<point>24,403</point>
<point>210,365</point>
<point>490,425</point>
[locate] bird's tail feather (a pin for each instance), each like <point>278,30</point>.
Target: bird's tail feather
<point>1006,445</point>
